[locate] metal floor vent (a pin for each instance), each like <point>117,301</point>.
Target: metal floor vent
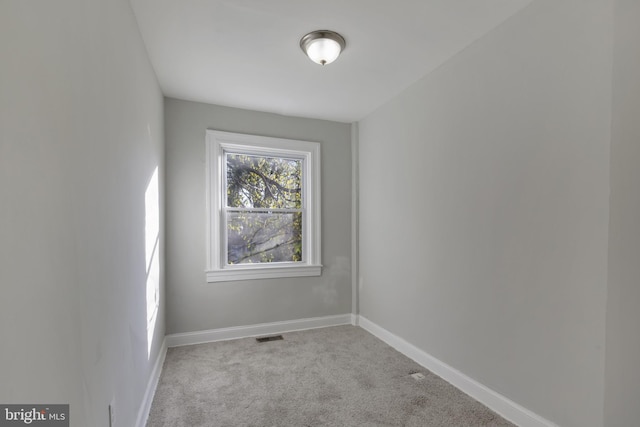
<point>270,338</point>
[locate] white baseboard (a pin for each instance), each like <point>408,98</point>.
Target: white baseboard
<point>145,407</point>
<point>495,401</point>
<point>354,319</point>
<point>212,335</point>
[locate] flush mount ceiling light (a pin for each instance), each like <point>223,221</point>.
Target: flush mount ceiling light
<point>322,46</point>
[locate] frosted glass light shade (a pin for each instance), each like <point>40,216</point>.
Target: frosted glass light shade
<point>322,47</point>
<point>323,51</point>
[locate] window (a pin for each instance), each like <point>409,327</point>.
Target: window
<point>263,200</point>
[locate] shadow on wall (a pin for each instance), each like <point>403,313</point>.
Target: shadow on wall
<point>152,242</point>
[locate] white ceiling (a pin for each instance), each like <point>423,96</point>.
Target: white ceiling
<point>245,53</point>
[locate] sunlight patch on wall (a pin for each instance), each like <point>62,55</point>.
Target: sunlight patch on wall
<point>152,240</point>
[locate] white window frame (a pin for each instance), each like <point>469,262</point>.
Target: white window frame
<point>217,143</point>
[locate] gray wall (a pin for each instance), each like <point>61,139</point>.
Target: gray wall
<point>484,210</point>
<point>80,137</point>
<point>193,304</point>
<point>623,303</point>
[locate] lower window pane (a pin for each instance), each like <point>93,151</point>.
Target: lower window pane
<point>258,237</point>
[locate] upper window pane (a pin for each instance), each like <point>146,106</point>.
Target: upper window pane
<point>263,182</point>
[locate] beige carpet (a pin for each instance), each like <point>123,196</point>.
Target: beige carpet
<point>340,376</point>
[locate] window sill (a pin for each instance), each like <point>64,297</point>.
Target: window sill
<point>252,273</point>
